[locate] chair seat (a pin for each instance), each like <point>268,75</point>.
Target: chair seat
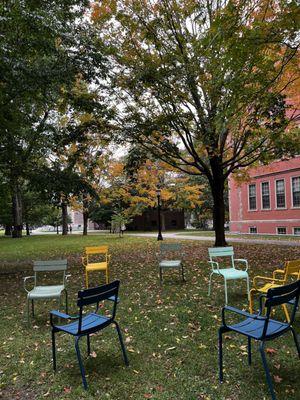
<point>89,322</point>
<point>96,266</point>
<point>254,327</point>
<point>44,292</point>
<point>232,273</point>
<point>170,264</point>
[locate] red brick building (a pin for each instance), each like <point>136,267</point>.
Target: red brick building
<point>269,202</point>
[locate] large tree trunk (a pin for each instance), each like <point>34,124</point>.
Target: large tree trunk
<point>17,211</point>
<point>217,186</point>
<point>8,229</point>
<point>64,210</point>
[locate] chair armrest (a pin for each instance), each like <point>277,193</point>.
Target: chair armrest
<point>67,277</point>
<point>214,263</point>
<point>54,313</point>
<point>236,311</point>
<point>112,298</point>
<point>243,261</point>
<point>266,278</point>
<point>84,260</point>
<point>278,271</point>
<point>25,279</point>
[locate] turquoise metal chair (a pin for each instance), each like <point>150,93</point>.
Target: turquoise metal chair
<point>261,327</point>
<point>170,257</point>
<point>86,324</point>
<point>227,273</point>
<point>41,291</point>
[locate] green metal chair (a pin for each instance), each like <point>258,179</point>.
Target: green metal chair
<point>41,291</point>
<point>227,273</point>
<point>170,257</point>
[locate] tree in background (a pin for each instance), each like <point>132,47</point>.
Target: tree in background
<point>44,48</point>
<point>202,84</point>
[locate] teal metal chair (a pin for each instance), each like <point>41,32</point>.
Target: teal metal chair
<point>170,257</point>
<point>227,273</point>
<point>260,327</point>
<point>41,291</point>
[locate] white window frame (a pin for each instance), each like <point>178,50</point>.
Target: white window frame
<point>252,209</point>
<point>284,185</point>
<point>292,202</point>
<point>261,195</point>
<point>252,227</point>
<point>281,227</point>
<point>294,229</point>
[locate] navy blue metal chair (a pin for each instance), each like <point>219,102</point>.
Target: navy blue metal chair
<point>89,323</point>
<point>261,327</point>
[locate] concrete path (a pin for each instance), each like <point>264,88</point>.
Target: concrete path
<point>180,236</point>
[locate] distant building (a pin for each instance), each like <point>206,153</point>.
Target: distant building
<point>77,221</point>
<point>148,221</point>
<point>269,202</point>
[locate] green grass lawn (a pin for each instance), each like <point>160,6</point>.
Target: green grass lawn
<point>170,330</point>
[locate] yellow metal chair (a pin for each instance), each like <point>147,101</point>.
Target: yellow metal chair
<point>91,264</point>
<point>263,283</point>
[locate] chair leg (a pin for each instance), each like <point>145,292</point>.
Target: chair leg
<point>286,313</point>
<point>107,276</point>
<point>160,276</point>
<point>248,289</point>
<point>182,273</point>
<point>252,291</point>
<point>296,341</point>
<point>226,296</point>
<point>209,285</point>
<point>122,344</point>
<point>268,376</point>
<point>249,351</point>
<point>86,279</point>
<point>28,311</point>
<point>66,294</point>
<point>32,307</point>
<point>88,344</point>
<point>221,331</point>
<point>80,363</point>
<point>53,350</point>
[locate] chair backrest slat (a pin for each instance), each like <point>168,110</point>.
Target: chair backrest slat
<point>96,250</point>
<point>220,251</point>
<point>166,247</point>
<point>50,265</point>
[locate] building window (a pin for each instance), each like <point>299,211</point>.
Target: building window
<point>297,231</point>
<point>280,194</point>
<point>281,230</point>
<point>252,229</point>
<point>252,197</point>
<point>265,195</point>
<point>296,191</point>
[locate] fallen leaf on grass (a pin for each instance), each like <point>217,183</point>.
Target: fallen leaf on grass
<point>277,379</point>
<point>271,351</point>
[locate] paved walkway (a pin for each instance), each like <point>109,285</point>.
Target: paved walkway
<point>180,236</point>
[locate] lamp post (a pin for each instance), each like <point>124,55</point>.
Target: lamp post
<point>159,236</point>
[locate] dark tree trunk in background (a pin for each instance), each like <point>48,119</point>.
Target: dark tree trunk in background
<point>217,186</point>
<point>85,216</point>
<point>64,210</point>
<point>27,229</point>
<point>85,222</point>
<point>57,229</point>
<point>17,211</point>
<point>8,229</point>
